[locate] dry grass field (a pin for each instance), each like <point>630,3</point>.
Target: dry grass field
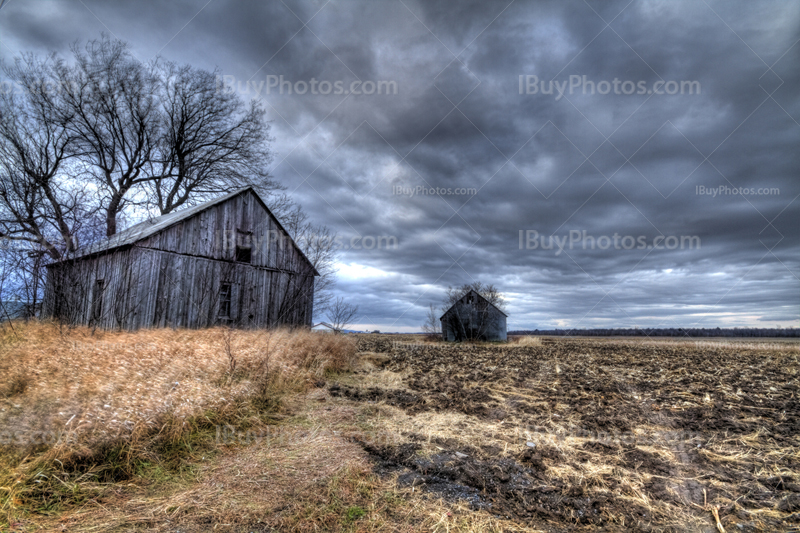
<point>82,411</point>
<point>295,431</point>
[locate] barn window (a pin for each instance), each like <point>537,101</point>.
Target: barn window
<point>244,246</point>
<point>225,298</point>
<point>97,298</point>
<point>243,254</point>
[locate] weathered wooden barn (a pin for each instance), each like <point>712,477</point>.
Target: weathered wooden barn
<point>473,317</point>
<point>227,261</point>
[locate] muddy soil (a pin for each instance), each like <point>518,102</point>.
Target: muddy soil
<point>675,430</point>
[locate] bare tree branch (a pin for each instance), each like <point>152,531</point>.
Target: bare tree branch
<point>341,314</point>
<point>432,325</point>
<point>209,140</point>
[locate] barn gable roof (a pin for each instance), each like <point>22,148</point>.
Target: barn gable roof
<point>151,226</point>
<point>471,291</point>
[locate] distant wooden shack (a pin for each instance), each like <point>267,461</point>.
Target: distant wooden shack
<point>227,261</point>
<point>473,317</point>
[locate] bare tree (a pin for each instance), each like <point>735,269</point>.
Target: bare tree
<point>29,274</point>
<point>341,314</point>
<point>144,134</point>
<point>109,107</point>
<point>44,214</point>
<point>39,206</point>
<point>209,140</point>
<point>320,246</point>
<point>488,291</point>
<point>8,310</point>
<point>432,325</point>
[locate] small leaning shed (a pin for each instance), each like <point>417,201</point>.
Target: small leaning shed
<point>227,261</point>
<point>473,317</point>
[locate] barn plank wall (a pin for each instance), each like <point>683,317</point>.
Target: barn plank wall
<point>212,233</point>
<point>173,278</point>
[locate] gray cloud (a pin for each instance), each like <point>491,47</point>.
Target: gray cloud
<point>626,164</point>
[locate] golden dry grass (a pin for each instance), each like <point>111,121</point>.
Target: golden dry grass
<point>78,406</point>
<point>135,421</point>
<point>526,340</point>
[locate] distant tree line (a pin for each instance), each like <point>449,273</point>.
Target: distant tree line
<point>664,332</point>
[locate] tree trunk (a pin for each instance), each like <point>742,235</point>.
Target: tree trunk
<point>111,214</point>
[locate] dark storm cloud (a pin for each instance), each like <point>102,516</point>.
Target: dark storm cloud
<point>604,164</point>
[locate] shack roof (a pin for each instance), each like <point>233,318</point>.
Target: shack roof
<point>473,291</point>
<point>151,226</point>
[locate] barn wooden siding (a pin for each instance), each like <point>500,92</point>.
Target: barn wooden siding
<point>472,317</point>
<point>176,276</point>
<point>212,233</point>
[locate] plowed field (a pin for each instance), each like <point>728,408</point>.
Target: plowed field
<point>591,434</point>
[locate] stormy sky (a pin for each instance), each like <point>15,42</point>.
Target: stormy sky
<point>610,164</point>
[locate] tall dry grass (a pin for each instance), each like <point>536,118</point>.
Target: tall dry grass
<point>77,405</point>
<point>526,340</point>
